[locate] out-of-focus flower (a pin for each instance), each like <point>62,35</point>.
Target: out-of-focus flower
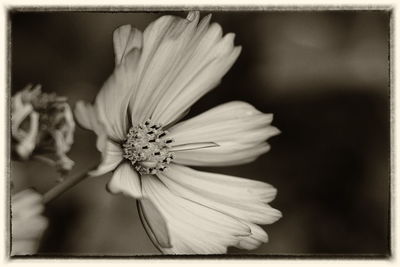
<point>27,222</point>
<point>42,125</point>
<point>159,74</point>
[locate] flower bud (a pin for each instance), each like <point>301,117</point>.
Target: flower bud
<point>27,222</point>
<point>42,127</point>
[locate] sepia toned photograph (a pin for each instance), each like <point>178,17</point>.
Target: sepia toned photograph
<point>211,133</point>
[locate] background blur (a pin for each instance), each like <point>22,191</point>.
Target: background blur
<point>324,75</point>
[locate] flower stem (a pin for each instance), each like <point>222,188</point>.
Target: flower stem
<point>68,183</point>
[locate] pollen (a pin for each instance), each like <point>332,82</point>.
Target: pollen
<point>147,147</point>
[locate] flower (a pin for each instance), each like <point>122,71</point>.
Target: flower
<point>27,222</point>
<point>42,124</point>
<point>158,75</point>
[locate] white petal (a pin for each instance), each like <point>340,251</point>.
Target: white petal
<point>125,40</point>
<point>86,116</point>
<point>195,57</point>
<point>225,154</point>
<point>24,247</point>
<point>193,228</point>
<point>224,122</point>
<point>257,237</point>
<point>249,243</point>
<point>200,74</point>
<point>27,222</point>
<point>28,143</point>
<point>181,60</point>
<point>164,42</point>
<point>111,158</point>
<point>238,197</point>
<point>258,233</point>
<point>19,111</point>
<point>88,119</point>
<point>69,126</point>
<point>239,130</point>
<point>28,227</point>
<point>154,224</point>
<point>111,104</point>
<point>112,101</point>
<point>23,201</point>
<point>126,181</point>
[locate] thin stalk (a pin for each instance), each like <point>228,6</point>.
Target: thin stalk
<point>60,188</point>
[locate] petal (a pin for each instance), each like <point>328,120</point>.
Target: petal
<point>87,118</point>
<point>125,39</point>
<point>126,181</point>
<point>28,227</point>
<point>23,201</point>
<point>111,158</point>
<point>24,247</point>
<point>164,43</point>
<point>249,243</point>
<point>239,130</point>
<point>258,233</point>
<point>193,228</point>
<point>111,104</point>
<point>112,101</point>
<point>203,63</point>
<point>154,224</point>
<point>257,237</point>
<point>181,60</point>
<point>19,111</point>
<point>225,154</point>
<point>26,146</point>
<point>68,128</point>
<point>27,222</point>
<point>241,198</point>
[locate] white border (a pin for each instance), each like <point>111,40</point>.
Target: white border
<point>6,4</point>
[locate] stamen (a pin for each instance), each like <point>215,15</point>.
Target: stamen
<point>147,148</point>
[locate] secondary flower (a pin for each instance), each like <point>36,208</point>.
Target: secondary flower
<point>42,125</point>
<point>159,74</point>
<point>27,222</point>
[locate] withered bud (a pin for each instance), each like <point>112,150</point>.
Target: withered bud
<point>42,126</point>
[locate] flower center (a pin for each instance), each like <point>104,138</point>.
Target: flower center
<point>147,148</point>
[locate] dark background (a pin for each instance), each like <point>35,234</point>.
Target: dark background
<point>324,75</point>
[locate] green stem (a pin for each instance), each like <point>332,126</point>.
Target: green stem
<point>68,183</point>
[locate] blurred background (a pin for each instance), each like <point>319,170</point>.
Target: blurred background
<point>323,74</point>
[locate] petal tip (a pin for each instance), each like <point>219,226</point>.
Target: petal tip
<point>193,15</point>
<point>274,131</point>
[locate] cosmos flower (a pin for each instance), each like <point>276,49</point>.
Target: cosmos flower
<point>158,75</point>
<point>42,125</point>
